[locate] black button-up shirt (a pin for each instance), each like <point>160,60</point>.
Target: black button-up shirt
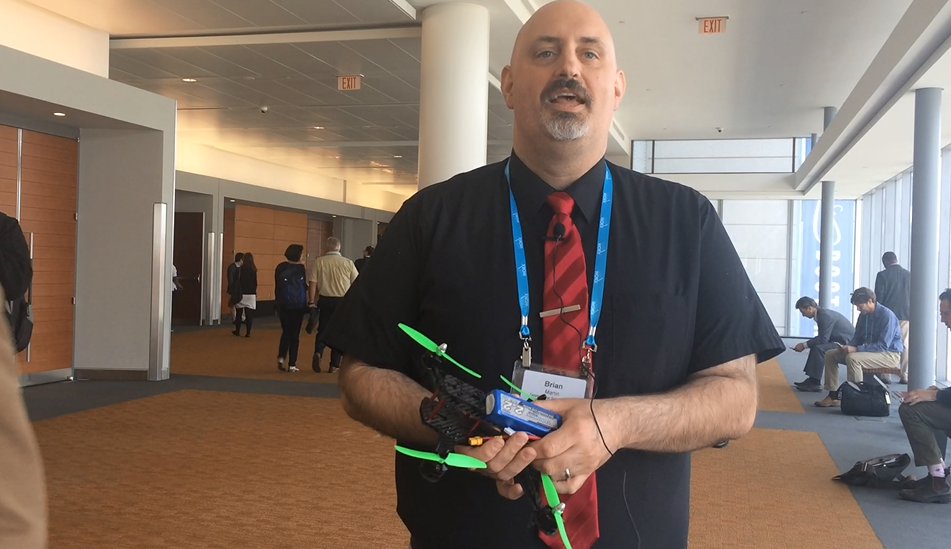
<point>677,300</point>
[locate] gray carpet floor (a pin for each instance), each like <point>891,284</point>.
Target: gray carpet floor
<point>899,524</point>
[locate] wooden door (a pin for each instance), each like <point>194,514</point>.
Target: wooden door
<point>187,259</point>
<point>317,234</point>
<point>227,252</point>
<point>8,170</point>
<point>48,219</point>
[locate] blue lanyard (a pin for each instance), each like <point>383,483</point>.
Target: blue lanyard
<point>600,262</point>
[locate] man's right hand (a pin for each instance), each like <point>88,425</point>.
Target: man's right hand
<point>504,459</point>
<point>800,347</point>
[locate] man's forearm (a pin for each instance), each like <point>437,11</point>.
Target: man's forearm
<point>311,292</point>
<point>716,404</point>
<point>384,400</point>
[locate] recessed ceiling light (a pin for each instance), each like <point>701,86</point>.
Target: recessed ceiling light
<point>189,80</point>
<point>318,127</point>
<point>335,216</point>
<point>59,114</point>
<point>232,200</point>
<point>397,156</point>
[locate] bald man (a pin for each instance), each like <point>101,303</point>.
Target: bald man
<point>644,342</point>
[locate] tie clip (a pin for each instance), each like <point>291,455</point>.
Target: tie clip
<point>553,312</point>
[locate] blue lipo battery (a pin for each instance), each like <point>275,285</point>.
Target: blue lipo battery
<point>507,410</point>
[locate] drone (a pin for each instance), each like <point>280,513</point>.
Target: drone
<point>457,412</point>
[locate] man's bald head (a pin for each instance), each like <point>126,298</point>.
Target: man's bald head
<point>563,82</point>
<point>571,11</point>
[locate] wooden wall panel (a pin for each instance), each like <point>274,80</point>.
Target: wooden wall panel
<point>8,170</point>
<point>48,213</point>
<point>266,233</point>
<point>228,251</point>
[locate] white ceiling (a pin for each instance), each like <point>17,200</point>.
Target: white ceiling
<point>770,75</point>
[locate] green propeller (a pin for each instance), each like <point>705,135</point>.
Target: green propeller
<point>452,460</point>
<point>432,347</point>
<point>525,395</point>
<point>551,494</point>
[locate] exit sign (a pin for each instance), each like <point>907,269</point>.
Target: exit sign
<point>712,25</point>
<point>349,83</point>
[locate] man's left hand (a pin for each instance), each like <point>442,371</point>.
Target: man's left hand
<point>850,349</point>
<point>576,446</point>
<point>920,395</point>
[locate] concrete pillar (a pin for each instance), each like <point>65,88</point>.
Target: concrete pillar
<point>453,91</point>
<point>924,238</point>
<point>826,229</point>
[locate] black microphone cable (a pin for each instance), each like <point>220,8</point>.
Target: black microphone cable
<point>558,236</point>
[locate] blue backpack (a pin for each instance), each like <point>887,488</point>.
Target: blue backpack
<point>292,293</point>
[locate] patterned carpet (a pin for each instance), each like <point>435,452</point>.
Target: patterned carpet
<point>218,470</point>
<point>216,352</point>
<point>776,394</point>
<point>227,470</point>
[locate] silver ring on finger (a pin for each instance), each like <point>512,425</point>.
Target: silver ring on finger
<point>567,475</point>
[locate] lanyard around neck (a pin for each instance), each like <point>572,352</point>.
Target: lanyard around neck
<point>600,262</point>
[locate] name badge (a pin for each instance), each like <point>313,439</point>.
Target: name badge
<point>552,385</point>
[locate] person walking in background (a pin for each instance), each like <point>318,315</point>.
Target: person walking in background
<point>290,295</point>
<point>363,261</point>
<point>248,287</point>
<point>329,281</point>
<point>234,291</point>
<point>893,288</point>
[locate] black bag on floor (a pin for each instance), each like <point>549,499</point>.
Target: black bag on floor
<point>864,399</point>
<point>880,472</point>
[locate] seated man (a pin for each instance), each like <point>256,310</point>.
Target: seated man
<point>922,413</point>
<point>876,344</point>
<point>833,330</point>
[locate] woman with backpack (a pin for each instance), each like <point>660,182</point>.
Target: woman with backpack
<point>290,295</point>
<point>248,286</point>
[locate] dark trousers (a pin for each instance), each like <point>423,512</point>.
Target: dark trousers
<point>327,305</point>
<point>815,363</point>
<point>922,423</point>
<point>243,315</point>
<point>291,321</point>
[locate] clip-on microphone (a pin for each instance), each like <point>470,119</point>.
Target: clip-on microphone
<point>558,233</point>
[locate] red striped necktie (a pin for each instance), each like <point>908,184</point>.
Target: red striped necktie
<point>563,336</point>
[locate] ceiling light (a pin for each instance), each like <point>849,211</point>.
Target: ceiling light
<point>59,114</point>
<point>318,127</point>
<point>232,200</point>
<point>397,156</point>
<point>189,80</point>
<point>335,216</point>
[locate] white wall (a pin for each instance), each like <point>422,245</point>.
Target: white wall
<point>120,178</point>
<point>37,31</point>
<point>759,230</point>
<point>216,163</point>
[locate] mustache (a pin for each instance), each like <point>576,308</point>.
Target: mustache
<point>566,84</point>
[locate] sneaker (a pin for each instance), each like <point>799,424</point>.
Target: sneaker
<point>315,362</point>
<point>827,402</point>
<point>333,368</point>
<point>938,490</point>
<point>280,364</point>
<point>292,369</point>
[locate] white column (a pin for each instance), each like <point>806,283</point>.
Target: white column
<point>453,91</point>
